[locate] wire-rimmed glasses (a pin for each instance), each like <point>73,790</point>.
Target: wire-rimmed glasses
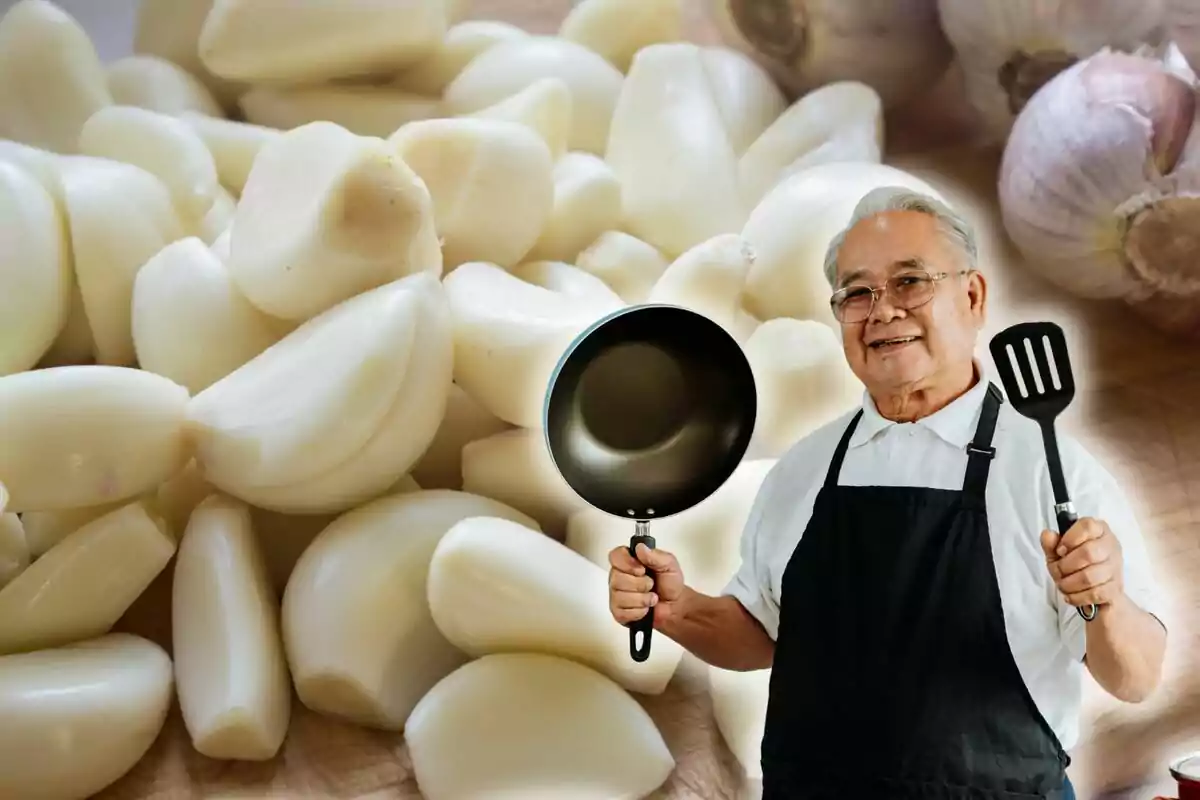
<point>907,290</point>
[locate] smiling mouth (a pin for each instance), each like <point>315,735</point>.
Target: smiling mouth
<point>898,341</point>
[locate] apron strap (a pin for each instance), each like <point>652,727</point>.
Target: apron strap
<point>980,450</point>
<point>835,464</point>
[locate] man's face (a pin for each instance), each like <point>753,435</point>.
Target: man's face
<point>944,330</point>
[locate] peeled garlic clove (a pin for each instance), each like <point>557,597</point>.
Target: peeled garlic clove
<point>744,325</point>
<point>740,710</point>
<point>508,337</point>
<point>708,279</point>
<point>841,121</point>
<point>190,322</point>
<point>159,144</point>
<point>170,30</point>
<point>360,639</point>
<point>385,359</point>
<point>462,43</point>
<point>44,529</point>
<point>220,245</point>
<point>497,586</point>
<point>324,216</point>
<point>618,29</point>
<point>706,538</point>
<point>178,497</point>
<point>502,70</point>
<point>234,145</point>
<point>364,110</point>
<point>803,381</point>
<point>268,423</point>
<point>233,682</point>
<point>465,421</point>
<point>219,217</point>
<point>120,215</point>
<point>1097,180</point>
<point>629,266</point>
<point>14,549</point>
<point>674,197</point>
<point>543,106</point>
<point>35,271</point>
<point>896,48</point>
<point>244,40</point>
<point>87,435</point>
<point>549,705</point>
<point>75,344</point>
<point>159,85</point>
<point>42,43</point>
<point>587,202</point>
<point>86,582</point>
<point>491,181</point>
<point>747,97</point>
<point>42,165</point>
<point>570,281</point>
<point>788,275</point>
<point>515,467</point>
<point>79,717</point>
<point>1007,51</point>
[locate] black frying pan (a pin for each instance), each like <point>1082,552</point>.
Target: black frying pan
<point>649,412</point>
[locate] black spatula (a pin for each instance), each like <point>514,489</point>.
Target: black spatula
<point>1035,369</point>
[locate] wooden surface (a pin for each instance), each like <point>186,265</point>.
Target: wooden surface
<point>1135,410</point>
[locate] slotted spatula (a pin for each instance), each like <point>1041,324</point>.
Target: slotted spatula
<point>1035,369</point>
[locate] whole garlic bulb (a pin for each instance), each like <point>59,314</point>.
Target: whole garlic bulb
<point>894,46</point>
<point>1008,49</point>
<point>1100,182</point>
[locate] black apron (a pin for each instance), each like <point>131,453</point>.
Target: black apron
<point>893,678</point>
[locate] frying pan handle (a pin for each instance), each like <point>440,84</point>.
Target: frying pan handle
<point>1067,518</point>
<point>639,648</point>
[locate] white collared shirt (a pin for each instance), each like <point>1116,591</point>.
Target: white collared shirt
<point>1046,635</point>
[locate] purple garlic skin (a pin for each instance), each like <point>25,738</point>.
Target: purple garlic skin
<point>897,47</point>
<point>1099,185</point>
<point>1009,49</point>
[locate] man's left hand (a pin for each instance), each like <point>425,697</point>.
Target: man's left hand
<point>1085,562</point>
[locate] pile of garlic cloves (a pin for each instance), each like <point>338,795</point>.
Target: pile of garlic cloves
<point>286,302</point>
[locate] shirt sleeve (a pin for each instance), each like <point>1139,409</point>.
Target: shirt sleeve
<point>751,584</point>
<point>1098,494</point>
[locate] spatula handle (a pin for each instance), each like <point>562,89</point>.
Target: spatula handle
<point>640,630</point>
<point>1067,518</point>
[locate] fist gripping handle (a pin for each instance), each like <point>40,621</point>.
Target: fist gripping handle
<point>644,627</point>
<point>1066,518</point>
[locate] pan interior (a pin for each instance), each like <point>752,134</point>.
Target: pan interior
<point>634,396</point>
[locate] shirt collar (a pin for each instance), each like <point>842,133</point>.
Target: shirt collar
<point>955,423</point>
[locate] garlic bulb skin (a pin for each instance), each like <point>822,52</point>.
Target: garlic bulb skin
<point>1008,49</point>
<point>1099,179</point>
<point>1182,20</point>
<point>897,48</point>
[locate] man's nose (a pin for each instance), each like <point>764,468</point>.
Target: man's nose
<point>884,310</point>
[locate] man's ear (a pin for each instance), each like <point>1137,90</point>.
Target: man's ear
<point>977,291</point>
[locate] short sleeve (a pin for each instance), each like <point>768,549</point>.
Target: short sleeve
<point>1099,495</point>
<point>751,584</point>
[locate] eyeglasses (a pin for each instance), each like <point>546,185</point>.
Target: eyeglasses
<point>907,290</point>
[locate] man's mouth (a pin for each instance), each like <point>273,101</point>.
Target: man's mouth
<point>896,341</point>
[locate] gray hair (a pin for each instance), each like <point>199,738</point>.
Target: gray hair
<point>901,198</point>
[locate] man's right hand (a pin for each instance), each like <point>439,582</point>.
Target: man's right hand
<point>631,591</point>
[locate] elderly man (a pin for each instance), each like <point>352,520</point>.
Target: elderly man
<point>901,571</point>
